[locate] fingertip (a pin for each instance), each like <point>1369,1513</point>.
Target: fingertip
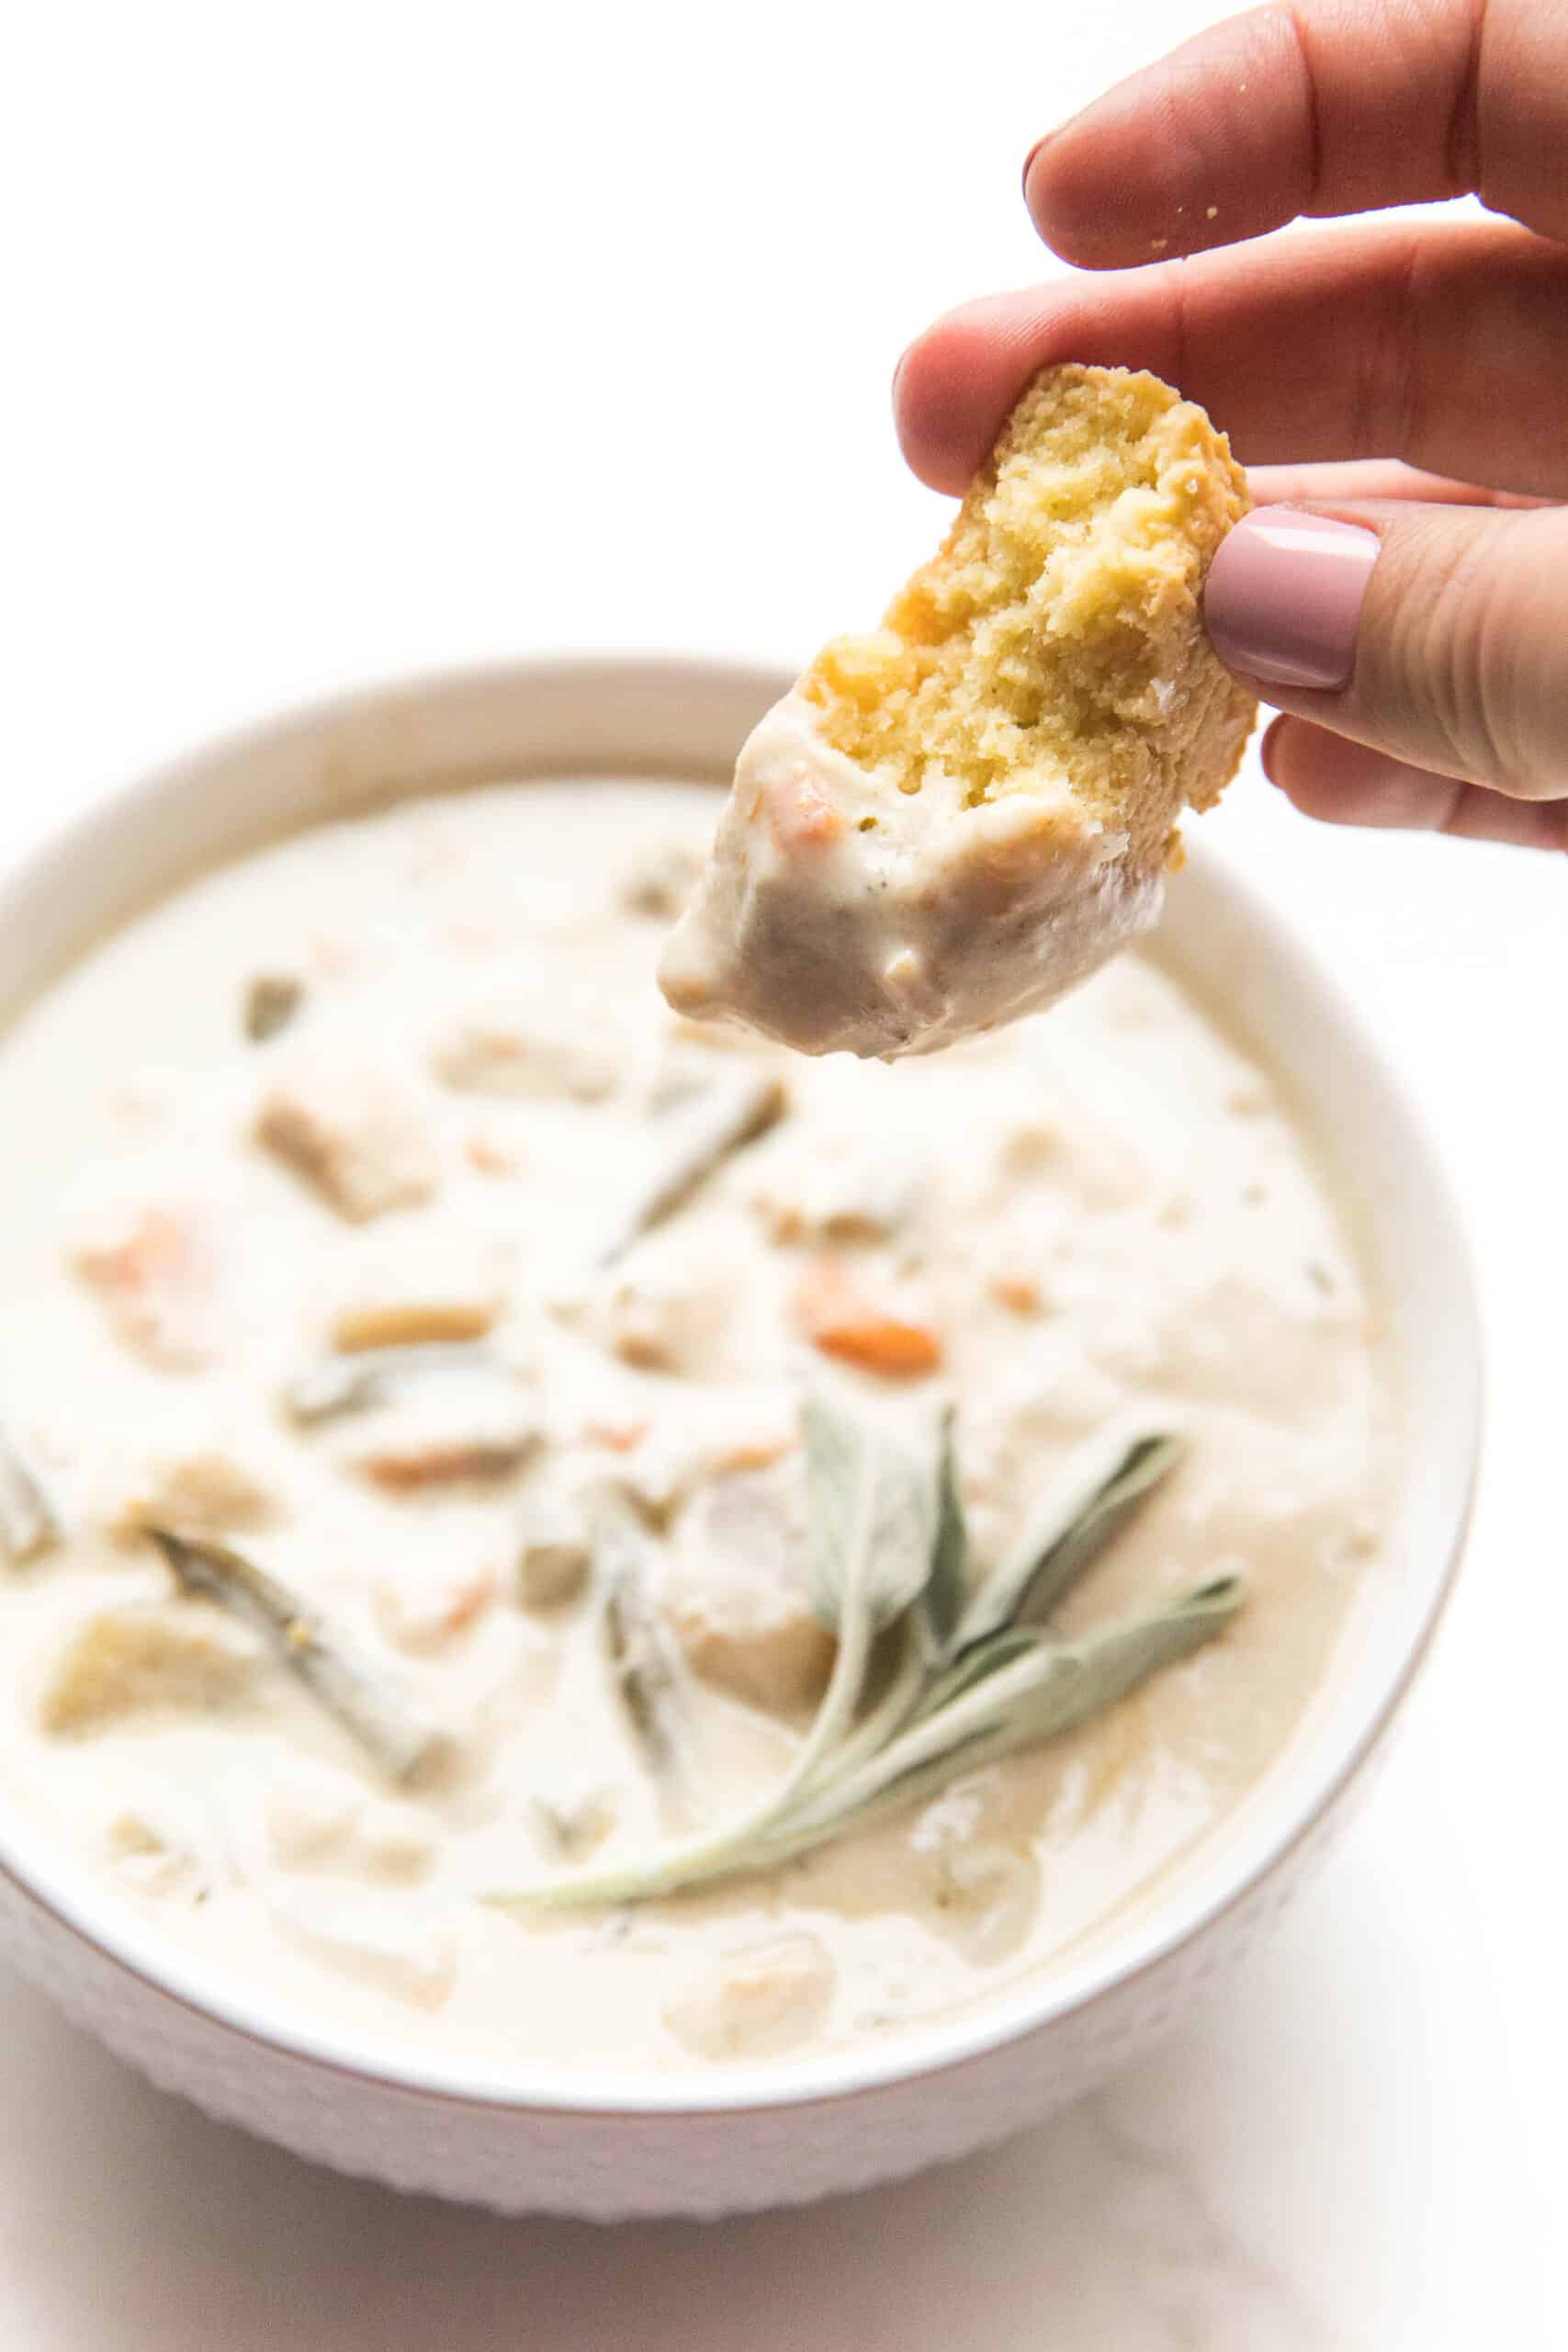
<point>1305,762</point>
<point>1069,177</point>
<point>1339,781</point>
<point>1315,770</point>
<point>1206,147</point>
<point>946,404</point>
<point>1270,757</point>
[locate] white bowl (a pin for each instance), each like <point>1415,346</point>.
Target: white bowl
<point>609,2146</point>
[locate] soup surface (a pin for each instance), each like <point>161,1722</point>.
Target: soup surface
<point>405,1083</point>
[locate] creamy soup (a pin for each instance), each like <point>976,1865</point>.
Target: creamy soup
<point>367,1214</point>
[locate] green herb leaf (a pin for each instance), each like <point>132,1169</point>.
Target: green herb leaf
<point>640,1654</point>
<point>1040,1691</point>
<point>703,1133</point>
<point>941,1602</point>
<point>981,1658</point>
<point>385,1725</point>
<point>873,1517</point>
<point>897,1721</point>
<point>1048,1562</point>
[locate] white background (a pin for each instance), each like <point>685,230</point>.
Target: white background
<point>349,338</point>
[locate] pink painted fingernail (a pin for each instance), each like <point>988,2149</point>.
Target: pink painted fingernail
<point>1283,598</point>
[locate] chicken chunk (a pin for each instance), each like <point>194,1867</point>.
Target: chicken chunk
<point>554,1547</point>
<point>573,1813</point>
<point>377,1940</point>
<point>315,1818</point>
<point>165,1845</point>
<point>662,1462</point>
<point>756,2003</point>
<point>850,1193</point>
<point>203,1488</point>
<point>985,1899</point>
<point>354,1131</point>
<point>530,1044</point>
<point>672,1306</point>
<point>411,1289</point>
<point>153,1266</point>
<point>145,1656</point>
<point>478,1424</point>
<point>738,1594</point>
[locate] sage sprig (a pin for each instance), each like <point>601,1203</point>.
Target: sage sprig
<point>1072,1533</point>
<point>929,1678</point>
<point>698,1137</point>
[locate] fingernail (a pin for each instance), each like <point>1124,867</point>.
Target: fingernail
<point>1038,147</point>
<point>1283,598</point>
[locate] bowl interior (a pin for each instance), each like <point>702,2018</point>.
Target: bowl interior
<point>681,718</point>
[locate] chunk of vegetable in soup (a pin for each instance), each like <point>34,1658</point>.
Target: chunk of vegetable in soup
<point>406,1323</point>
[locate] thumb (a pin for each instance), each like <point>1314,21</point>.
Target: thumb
<point>1437,634</point>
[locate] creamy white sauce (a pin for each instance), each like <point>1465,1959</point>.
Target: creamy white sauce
<point>1105,1220</point>
<point>839,914</point>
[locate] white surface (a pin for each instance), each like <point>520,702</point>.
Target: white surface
<point>356,338</point>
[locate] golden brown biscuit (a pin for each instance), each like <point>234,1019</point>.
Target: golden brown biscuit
<point>951,820</point>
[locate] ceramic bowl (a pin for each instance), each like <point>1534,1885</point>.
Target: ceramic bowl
<point>747,2137</point>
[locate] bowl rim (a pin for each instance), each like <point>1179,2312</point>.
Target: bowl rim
<point>1262,1834</point>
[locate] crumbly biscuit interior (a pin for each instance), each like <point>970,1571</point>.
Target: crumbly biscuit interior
<point>1055,639</point>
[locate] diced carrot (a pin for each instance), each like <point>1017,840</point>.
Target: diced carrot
<point>622,1437</point>
<point>154,1266</point>
<point>418,1616</point>
<point>837,1317</point>
<point>488,1155</point>
<point>801,816</point>
<point>1017,1291</point>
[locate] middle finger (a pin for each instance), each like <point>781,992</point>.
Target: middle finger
<point>1445,346</point>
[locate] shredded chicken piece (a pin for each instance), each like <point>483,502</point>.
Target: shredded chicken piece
<point>357,1132</point>
<point>145,1656</point>
<point>738,1592</point>
<point>757,2002</point>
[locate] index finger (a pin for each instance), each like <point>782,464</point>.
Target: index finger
<point>1317,108</point>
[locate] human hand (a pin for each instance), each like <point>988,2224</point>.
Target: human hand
<point>1403,591</point>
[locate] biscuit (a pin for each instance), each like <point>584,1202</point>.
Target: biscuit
<point>954,818</point>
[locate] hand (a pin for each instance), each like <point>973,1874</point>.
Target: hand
<point>1405,386</point>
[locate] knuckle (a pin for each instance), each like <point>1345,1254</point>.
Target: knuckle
<point>1460,658</point>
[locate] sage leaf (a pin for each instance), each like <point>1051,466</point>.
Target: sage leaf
<point>639,1651</point>
<point>899,1719</point>
<point>873,1517</point>
<point>1049,1560</point>
<point>1042,1691</point>
<point>981,1658</point>
<point>389,1727</point>
<point>942,1599</point>
<point>725,1115</point>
